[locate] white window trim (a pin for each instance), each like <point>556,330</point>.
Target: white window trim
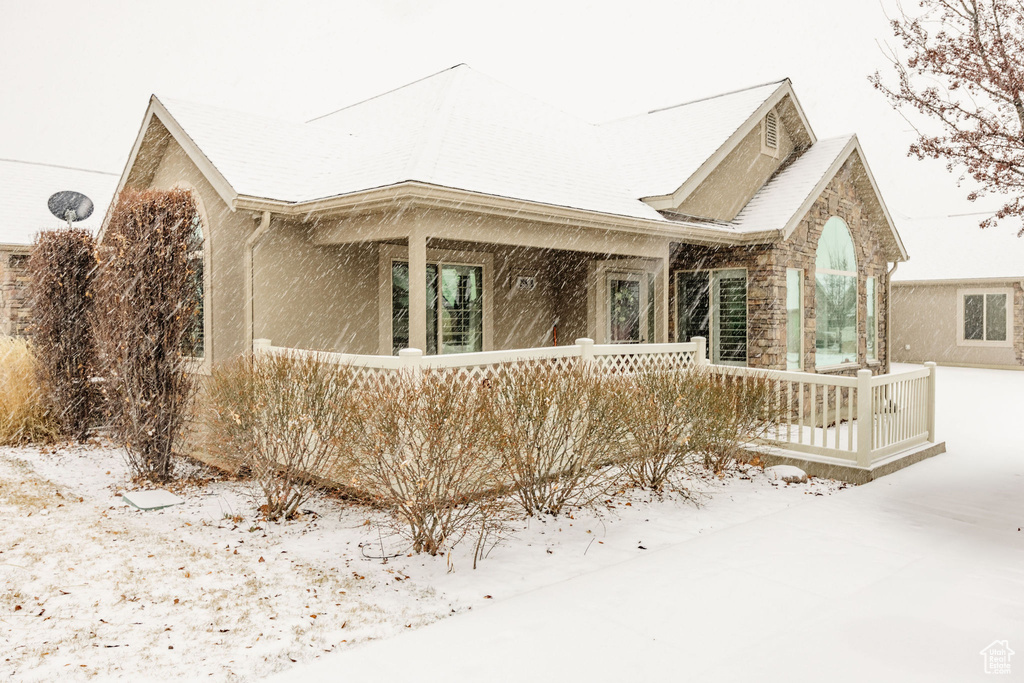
<point>960,341</point>
<point>598,300</point>
<point>867,317</point>
<point>204,365</point>
<point>712,311</point>
<point>389,253</point>
<point>803,312</point>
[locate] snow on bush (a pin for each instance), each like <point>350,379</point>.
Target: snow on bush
<point>557,432</point>
<point>422,452</point>
<point>24,411</point>
<point>146,312</point>
<point>287,420</point>
<point>62,267</point>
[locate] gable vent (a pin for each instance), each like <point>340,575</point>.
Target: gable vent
<point>771,130</point>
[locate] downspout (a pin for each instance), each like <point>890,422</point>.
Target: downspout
<point>250,248</point>
<point>888,317</point>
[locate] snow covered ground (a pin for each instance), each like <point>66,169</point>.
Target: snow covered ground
<point>92,587</point>
<point>907,578</point>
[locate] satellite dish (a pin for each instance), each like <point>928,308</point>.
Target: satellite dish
<point>70,206</point>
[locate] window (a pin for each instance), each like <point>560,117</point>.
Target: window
<point>835,296</point>
<point>713,305</point>
<point>872,299</point>
<point>985,317</point>
<point>794,318</point>
<point>194,343</point>
<point>454,307</point>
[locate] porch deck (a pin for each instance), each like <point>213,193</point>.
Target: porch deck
<point>850,428</point>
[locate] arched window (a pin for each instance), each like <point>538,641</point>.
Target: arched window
<point>836,295</point>
<point>195,341</point>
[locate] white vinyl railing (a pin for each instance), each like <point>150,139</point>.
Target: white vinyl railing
<point>854,420</point>
<point>857,420</point>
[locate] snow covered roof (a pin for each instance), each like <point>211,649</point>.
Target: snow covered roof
<point>784,195</point>
<point>26,187</point>
<point>661,149</point>
<point>460,129</point>
<point>955,248</point>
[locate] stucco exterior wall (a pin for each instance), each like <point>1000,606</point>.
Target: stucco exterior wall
<point>225,232</point>
<point>925,326</point>
<point>15,309</point>
<point>766,276</point>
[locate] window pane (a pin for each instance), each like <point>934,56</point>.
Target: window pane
<point>731,319</point>
<point>193,345</point>
<point>995,317</point>
<point>692,306</point>
<point>872,319</point>
<point>624,310</point>
<point>400,307</point>
<point>794,317</point>
<point>974,317</point>
<point>650,308</point>
<point>835,248</point>
<point>462,310</point>
<point>836,335</point>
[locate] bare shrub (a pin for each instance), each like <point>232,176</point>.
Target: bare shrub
<point>422,451</point>
<point>287,418</point>
<point>736,410</point>
<point>24,412</point>
<point>662,410</point>
<point>558,430</point>
<point>62,267</point>
<point>147,305</point>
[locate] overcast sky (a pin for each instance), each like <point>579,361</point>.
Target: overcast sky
<point>76,76</point>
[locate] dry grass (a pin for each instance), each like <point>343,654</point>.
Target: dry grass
<point>24,414</point>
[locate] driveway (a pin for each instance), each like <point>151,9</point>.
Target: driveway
<point>907,578</point>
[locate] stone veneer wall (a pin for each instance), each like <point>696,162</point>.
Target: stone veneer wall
<point>766,277</point>
<point>15,312</point>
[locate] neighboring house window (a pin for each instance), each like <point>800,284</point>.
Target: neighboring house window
<point>872,298</point>
<point>194,344</point>
<point>985,317</point>
<point>714,305</point>
<point>835,296</point>
<point>794,318</point>
<point>454,308</point>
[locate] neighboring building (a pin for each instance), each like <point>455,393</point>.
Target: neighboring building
<point>456,214</point>
<point>960,301</point>
<point>23,213</point>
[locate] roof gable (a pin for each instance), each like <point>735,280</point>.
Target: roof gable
<point>668,152</point>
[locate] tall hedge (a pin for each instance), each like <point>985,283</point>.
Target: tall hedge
<point>146,306</point>
<point>62,268</point>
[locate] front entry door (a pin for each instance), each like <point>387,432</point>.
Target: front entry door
<point>627,308</point>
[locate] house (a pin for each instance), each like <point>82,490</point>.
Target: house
<point>961,302</point>
<point>23,213</point>
<point>456,214</point>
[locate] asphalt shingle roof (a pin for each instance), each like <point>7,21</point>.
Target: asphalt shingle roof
<point>464,130</point>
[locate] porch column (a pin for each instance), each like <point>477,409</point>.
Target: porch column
<point>662,283</point>
<point>418,290</point>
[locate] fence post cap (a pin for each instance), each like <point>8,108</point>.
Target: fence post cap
<point>409,353</point>
<point>931,364</point>
<point>864,372</point>
<point>584,340</point>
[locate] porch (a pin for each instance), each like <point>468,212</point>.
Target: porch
<point>851,428</point>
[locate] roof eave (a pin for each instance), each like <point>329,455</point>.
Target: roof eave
<point>425,195</point>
